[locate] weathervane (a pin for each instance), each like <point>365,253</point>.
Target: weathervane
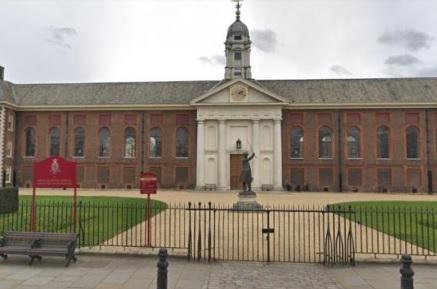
<point>238,8</point>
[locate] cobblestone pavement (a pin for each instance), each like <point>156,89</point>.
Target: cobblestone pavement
<point>263,275</point>
<point>139,272</point>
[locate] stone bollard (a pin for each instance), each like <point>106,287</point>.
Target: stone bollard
<point>162,269</point>
<point>407,273</point>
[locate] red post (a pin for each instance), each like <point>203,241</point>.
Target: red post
<point>148,185</point>
<point>33,211</point>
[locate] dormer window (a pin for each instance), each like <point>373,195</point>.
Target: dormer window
<point>237,37</point>
<point>237,56</point>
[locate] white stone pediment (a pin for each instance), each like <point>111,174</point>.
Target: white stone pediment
<point>238,92</point>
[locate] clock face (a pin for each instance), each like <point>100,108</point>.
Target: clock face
<point>238,93</point>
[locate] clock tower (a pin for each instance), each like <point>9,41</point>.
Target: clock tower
<point>238,49</point>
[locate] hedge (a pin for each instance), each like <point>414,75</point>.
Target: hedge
<point>8,200</point>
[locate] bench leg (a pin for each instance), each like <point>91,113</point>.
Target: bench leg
<point>69,259</point>
<point>33,257</point>
<point>4,256</point>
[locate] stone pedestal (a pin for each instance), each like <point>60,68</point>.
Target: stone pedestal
<point>247,201</point>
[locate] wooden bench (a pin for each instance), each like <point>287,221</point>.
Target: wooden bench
<point>38,244</point>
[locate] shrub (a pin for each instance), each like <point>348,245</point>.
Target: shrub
<point>8,200</point>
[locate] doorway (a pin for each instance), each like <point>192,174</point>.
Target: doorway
<point>235,169</point>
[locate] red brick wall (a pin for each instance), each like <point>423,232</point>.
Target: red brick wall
<point>117,122</point>
<point>404,172</point>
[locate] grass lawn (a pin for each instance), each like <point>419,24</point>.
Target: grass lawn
<point>99,218</point>
<point>414,222</point>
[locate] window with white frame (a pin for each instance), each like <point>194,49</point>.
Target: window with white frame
<point>11,122</point>
<point>9,149</point>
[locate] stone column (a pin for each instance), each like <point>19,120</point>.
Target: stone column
<point>200,179</point>
<point>256,185</point>
<point>277,156</point>
<point>222,155</point>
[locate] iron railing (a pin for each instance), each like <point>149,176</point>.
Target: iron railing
<point>328,235</point>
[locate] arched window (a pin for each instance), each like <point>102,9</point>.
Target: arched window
<point>104,142</point>
<point>54,142</point>
<point>182,143</point>
<point>79,142</point>
<point>412,142</point>
<point>383,145</point>
<point>155,142</point>
<point>325,142</point>
<point>296,143</point>
<point>129,143</point>
<point>353,143</point>
<point>30,142</point>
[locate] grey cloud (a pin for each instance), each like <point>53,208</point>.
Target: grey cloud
<point>60,36</point>
<point>214,60</point>
<point>264,40</point>
<point>407,71</point>
<point>340,70</point>
<point>413,40</point>
<point>430,71</point>
<point>402,60</point>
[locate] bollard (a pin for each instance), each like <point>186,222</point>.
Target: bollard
<point>407,273</point>
<point>162,269</point>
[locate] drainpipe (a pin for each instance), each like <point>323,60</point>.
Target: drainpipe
<point>142,140</point>
<point>66,135</point>
<point>428,152</point>
<point>340,153</point>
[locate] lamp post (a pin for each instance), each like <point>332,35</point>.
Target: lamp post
<point>238,144</point>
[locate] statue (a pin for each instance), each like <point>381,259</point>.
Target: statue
<point>246,173</point>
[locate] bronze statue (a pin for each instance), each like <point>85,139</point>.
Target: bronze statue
<point>246,173</point>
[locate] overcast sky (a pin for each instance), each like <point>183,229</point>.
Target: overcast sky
<point>165,40</point>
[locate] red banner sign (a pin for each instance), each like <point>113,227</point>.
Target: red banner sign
<point>54,172</point>
<point>148,183</point>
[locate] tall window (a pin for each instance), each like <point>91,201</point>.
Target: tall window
<point>353,143</point>
<point>54,142</point>
<point>412,142</point>
<point>383,145</point>
<point>129,142</point>
<point>104,142</point>
<point>79,142</point>
<point>325,142</point>
<point>182,142</point>
<point>296,143</point>
<point>155,142</point>
<point>30,142</point>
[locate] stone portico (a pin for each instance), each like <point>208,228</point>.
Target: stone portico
<point>239,110</point>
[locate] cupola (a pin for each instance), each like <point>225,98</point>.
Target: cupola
<point>238,49</point>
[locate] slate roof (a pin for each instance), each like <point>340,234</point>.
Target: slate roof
<point>7,92</point>
<point>110,93</point>
<point>347,91</point>
<point>393,90</point>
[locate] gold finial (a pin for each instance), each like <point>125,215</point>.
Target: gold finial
<point>238,8</point>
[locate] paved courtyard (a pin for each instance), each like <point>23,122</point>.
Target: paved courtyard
<point>230,197</point>
<point>127,272</point>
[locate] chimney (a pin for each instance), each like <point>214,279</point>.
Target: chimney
<point>2,73</point>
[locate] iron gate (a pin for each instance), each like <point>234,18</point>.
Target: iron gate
<point>285,234</point>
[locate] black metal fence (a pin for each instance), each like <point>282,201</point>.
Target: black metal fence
<point>328,235</point>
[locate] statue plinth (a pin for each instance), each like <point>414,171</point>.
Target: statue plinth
<point>247,201</point>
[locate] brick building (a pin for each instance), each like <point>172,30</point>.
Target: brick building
<point>319,135</point>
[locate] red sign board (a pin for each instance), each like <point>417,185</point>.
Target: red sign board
<point>148,183</point>
<point>54,172</point>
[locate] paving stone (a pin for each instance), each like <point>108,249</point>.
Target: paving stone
<point>8,284</point>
